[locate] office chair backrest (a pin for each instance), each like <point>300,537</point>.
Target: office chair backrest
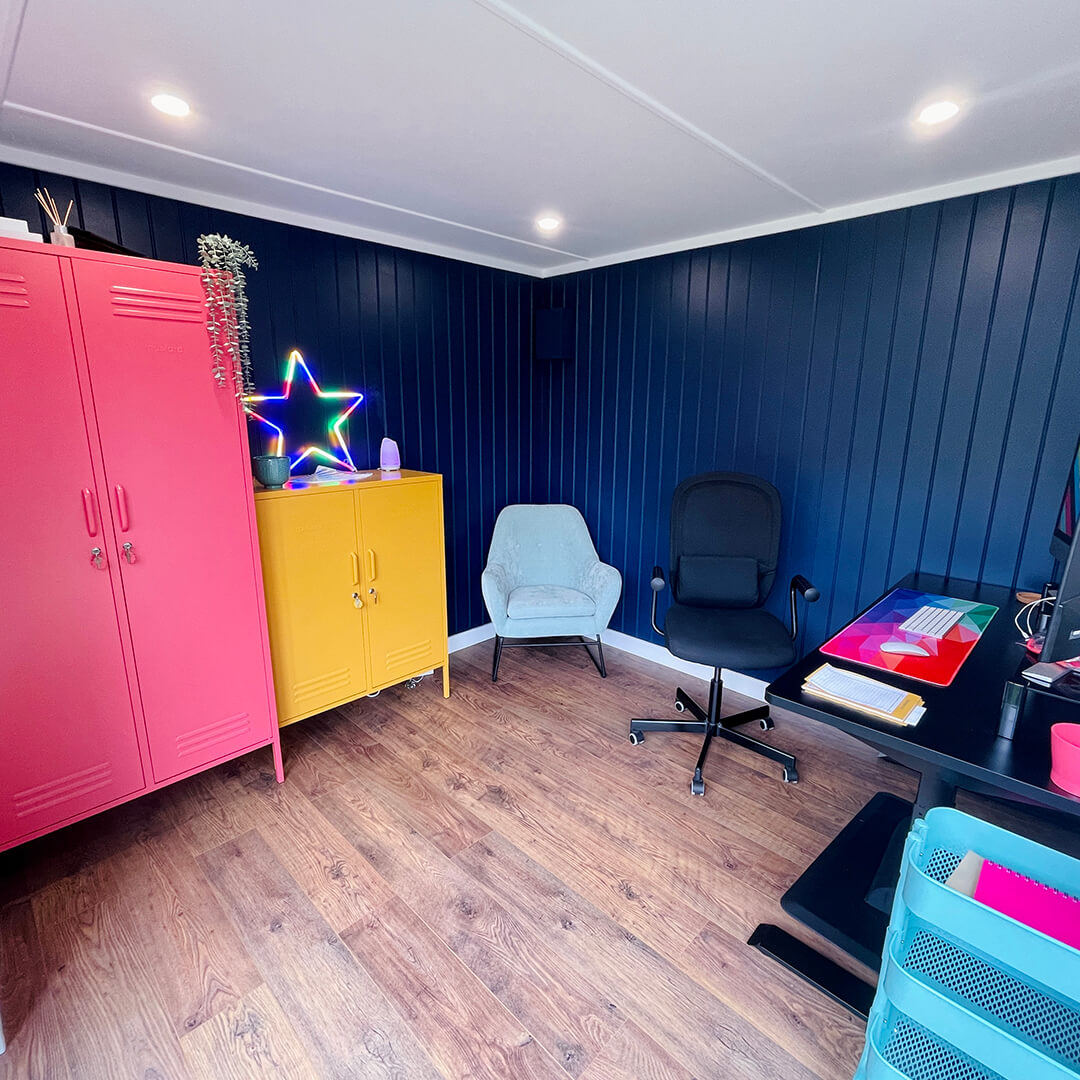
<point>542,543</point>
<point>725,540</point>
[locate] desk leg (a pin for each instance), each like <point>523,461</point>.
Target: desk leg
<point>837,896</point>
<point>935,789</point>
<point>825,974</point>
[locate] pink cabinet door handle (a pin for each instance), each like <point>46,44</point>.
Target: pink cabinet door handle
<point>89,505</point>
<point>122,507</point>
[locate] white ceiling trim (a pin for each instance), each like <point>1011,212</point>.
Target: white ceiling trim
<point>1024,174</point>
<point>31,159</point>
<point>151,186</point>
<point>250,170</point>
<point>544,36</point>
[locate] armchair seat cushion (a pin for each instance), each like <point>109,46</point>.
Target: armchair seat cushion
<point>751,639</point>
<point>547,602</point>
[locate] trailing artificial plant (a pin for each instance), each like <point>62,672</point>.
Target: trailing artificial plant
<point>223,260</point>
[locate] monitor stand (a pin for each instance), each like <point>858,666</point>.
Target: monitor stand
<point>1012,703</point>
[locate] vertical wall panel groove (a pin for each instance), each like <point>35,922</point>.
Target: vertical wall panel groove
<point>439,348</point>
<point>910,381</point>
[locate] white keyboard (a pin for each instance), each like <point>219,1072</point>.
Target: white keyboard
<point>932,622</point>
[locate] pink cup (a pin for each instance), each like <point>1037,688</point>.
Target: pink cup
<point>1065,756</point>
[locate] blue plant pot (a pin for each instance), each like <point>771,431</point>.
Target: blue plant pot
<point>271,470</point>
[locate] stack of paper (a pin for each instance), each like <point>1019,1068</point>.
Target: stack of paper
<point>865,694</point>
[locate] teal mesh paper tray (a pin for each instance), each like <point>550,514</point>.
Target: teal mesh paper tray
<point>899,1049</point>
<point>966,992</point>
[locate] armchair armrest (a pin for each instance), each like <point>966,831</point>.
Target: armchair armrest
<point>658,583</point>
<point>800,586</point>
<point>604,584</point>
<point>496,585</point>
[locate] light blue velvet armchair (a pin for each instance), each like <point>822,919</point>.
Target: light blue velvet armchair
<point>544,581</point>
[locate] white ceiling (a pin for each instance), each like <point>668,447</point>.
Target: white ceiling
<point>448,125</point>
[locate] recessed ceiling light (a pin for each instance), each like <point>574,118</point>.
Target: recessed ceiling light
<point>548,223</point>
<point>170,105</point>
<point>938,112</point>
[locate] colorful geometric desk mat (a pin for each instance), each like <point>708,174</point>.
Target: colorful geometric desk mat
<point>861,641</point>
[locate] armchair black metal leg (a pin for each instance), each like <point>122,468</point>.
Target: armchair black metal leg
<point>598,659</point>
<point>496,658</point>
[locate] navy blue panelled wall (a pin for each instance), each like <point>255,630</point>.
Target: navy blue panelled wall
<point>910,381</point>
<point>435,345</point>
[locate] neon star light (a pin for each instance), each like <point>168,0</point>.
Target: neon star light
<point>342,459</point>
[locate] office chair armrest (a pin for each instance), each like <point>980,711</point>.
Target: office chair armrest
<point>657,584</point>
<point>802,587</point>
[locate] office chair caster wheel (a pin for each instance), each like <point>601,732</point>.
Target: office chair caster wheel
<point>766,724</point>
<point>636,738</point>
<point>679,706</point>
<point>697,786</point>
<point>791,776</point>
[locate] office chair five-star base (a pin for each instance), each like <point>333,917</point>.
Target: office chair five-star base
<point>712,725</point>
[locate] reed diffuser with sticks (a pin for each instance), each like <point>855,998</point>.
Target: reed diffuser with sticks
<point>59,234</point>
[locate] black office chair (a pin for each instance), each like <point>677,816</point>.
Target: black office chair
<point>725,542</point>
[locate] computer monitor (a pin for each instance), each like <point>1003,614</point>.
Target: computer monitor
<point>1063,632</point>
<point>1065,528</point>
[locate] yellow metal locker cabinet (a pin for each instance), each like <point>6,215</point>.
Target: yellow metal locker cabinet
<point>355,582</point>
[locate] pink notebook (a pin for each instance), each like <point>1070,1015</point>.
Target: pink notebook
<point>1054,913</point>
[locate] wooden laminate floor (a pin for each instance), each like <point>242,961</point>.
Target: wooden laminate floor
<point>494,886</point>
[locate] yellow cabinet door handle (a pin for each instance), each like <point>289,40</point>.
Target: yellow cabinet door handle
<point>355,567</point>
<point>371,565</point>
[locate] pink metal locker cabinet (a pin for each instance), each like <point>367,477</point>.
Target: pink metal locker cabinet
<point>179,490</point>
<point>68,728</point>
<point>133,646</point>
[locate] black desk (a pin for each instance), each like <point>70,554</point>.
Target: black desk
<point>845,893</point>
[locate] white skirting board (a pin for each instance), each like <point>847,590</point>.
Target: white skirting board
<point>647,650</point>
<point>471,637</point>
